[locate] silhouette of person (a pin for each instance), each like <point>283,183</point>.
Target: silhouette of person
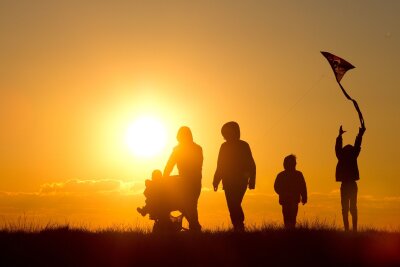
<point>347,173</point>
<point>188,157</point>
<point>153,193</point>
<point>237,170</point>
<point>291,187</point>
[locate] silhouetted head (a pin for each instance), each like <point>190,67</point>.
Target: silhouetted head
<point>184,135</point>
<point>231,131</point>
<point>289,163</point>
<point>348,150</point>
<point>156,174</point>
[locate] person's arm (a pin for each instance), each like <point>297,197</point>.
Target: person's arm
<point>216,181</point>
<point>303,192</point>
<point>252,170</point>
<point>170,164</point>
<point>339,142</point>
<point>357,143</point>
<point>201,160</point>
<point>278,185</point>
<point>218,173</point>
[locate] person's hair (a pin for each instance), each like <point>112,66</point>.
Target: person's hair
<point>231,131</point>
<point>289,163</point>
<point>184,135</point>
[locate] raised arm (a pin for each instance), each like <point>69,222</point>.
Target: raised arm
<point>339,142</point>
<point>357,143</point>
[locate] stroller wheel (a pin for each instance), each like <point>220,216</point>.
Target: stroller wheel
<point>168,225</point>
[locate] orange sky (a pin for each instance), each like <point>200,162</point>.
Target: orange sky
<point>74,75</point>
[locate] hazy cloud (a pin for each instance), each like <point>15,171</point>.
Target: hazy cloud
<point>76,186</point>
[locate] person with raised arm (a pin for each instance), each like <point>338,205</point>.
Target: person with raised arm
<point>347,173</point>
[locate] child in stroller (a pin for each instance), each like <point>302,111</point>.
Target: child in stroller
<point>163,196</point>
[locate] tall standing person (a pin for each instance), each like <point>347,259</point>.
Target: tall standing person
<point>347,173</point>
<point>237,170</point>
<point>188,157</point>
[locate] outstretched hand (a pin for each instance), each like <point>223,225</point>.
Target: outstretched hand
<point>341,131</point>
<point>252,184</point>
<point>215,187</point>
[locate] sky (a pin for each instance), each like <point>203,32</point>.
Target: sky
<point>75,75</point>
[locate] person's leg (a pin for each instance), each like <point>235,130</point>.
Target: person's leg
<point>193,217</point>
<point>294,210</point>
<point>344,195</point>
<point>240,214</point>
<point>286,215</point>
<point>232,204</point>
<point>353,205</point>
<point>190,211</point>
<point>234,197</point>
<point>289,211</point>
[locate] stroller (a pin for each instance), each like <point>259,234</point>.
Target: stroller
<point>171,225</point>
<point>163,196</point>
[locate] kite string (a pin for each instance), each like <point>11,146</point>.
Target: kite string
<point>296,103</point>
<point>359,114</point>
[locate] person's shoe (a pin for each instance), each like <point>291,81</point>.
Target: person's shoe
<point>141,211</point>
<point>239,228</point>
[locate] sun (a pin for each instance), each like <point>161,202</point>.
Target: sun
<point>146,137</point>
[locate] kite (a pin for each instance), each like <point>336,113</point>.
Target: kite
<point>340,67</point>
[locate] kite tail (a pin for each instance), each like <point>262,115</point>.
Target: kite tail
<point>355,105</point>
<point>344,92</point>
<point>359,114</point>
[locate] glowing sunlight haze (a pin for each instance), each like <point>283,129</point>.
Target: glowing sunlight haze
<point>146,137</point>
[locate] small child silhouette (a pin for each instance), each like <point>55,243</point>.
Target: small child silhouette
<point>163,195</point>
<point>291,187</point>
<point>152,193</point>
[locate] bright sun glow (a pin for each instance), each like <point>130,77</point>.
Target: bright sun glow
<point>146,137</point>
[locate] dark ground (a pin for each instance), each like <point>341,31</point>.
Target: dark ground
<point>274,247</point>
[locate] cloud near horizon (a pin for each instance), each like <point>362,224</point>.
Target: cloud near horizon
<point>76,186</point>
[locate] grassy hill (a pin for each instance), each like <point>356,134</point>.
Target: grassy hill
<point>62,246</point>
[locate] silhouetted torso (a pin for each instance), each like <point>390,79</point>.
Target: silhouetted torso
<point>188,158</point>
<point>235,164</point>
<point>290,186</point>
<point>347,167</point>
